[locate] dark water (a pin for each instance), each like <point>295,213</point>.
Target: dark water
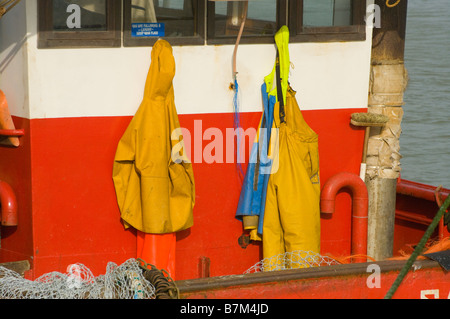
<point>425,140</point>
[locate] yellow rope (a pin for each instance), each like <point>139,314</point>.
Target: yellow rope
<point>389,5</point>
<point>3,6</point>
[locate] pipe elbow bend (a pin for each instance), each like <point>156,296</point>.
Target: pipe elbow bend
<point>336,183</point>
<point>8,205</point>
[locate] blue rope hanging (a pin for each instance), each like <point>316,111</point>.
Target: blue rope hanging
<point>237,126</point>
<point>236,104</point>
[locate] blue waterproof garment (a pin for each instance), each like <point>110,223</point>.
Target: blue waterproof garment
<point>253,193</point>
<point>252,199</point>
<point>282,207</point>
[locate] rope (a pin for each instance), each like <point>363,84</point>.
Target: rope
<point>345,260</point>
<point>3,4</point>
<point>241,30</point>
<point>418,249</point>
<point>389,5</point>
<point>165,287</point>
<point>237,123</point>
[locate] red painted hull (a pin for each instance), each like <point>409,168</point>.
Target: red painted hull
<point>62,177</point>
<point>354,281</point>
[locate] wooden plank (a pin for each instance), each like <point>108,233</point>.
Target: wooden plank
<point>18,266</point>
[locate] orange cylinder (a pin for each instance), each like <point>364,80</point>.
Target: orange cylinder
<point>157,250</point>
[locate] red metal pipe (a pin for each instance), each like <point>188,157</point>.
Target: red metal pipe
<point>8,205</point>
<point>426,192</point>
<point>12,133</point>
<point>417,190</point>
<point>360,199</point>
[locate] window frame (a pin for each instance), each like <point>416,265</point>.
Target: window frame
<point>129,41</point>
<point>354,32</point>
<point>245,39</point>
<point>48,38</point>
<point>289,12</point>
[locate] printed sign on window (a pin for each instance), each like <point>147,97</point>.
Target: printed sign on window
<point>147,29</point>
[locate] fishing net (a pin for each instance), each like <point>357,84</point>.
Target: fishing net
<point>292,260</point>
<point>120,282</point>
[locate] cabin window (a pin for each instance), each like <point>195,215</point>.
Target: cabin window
<point>177,21</point>
<point>327,20</point>
<point>327,13</point>
<point>79,23</point>
<point>264,18</point>
<point>308,20</point>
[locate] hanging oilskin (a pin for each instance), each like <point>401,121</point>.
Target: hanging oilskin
<point>252,199</point>
<point>292,209</point>
<point>253,193</point>
<point>153,178</point>
<point>155,191</point>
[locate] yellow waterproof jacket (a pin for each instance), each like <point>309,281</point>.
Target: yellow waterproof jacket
<point>155,191</point>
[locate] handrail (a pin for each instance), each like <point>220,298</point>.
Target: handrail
<point>419,248</point>
<point>417,190</point>
<point>12,133</point>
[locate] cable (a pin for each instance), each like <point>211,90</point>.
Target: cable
<point>418,249</point>
<point>3,4</point>
<point>389,5</point>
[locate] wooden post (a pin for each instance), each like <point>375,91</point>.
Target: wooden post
<point>387,85</point>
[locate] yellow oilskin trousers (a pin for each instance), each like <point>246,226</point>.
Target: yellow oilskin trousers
<point>292,213</point>
<point>291,222</point>
<point>155,191</point>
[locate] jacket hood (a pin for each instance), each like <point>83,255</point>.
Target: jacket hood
<point>161,72</point>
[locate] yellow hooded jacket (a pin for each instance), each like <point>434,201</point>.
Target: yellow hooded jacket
<point>155,192</point>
